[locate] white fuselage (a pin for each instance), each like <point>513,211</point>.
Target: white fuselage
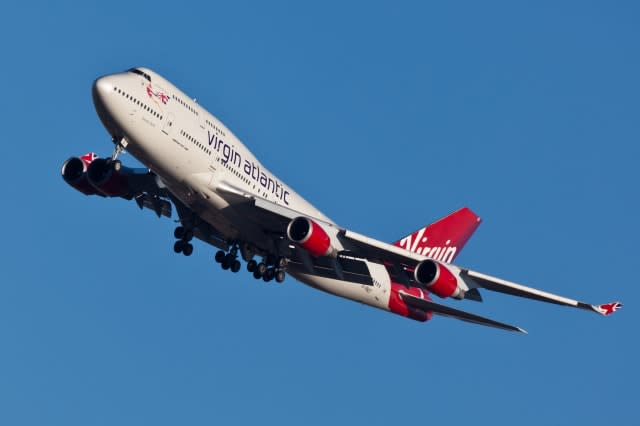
<point>193,153</point>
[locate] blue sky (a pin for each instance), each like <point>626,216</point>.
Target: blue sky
<point>386,116</point>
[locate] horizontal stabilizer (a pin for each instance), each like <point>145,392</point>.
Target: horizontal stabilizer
<point>438,309</point>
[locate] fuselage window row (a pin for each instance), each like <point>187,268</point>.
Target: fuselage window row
<point>195,142</point>
<point>184,104</point>
<point>216,128</point>
<point>138,102</point>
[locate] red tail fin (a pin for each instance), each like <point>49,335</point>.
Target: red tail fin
<point>443,239</point>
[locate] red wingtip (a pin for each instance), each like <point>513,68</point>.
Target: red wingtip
<point>608,308</point>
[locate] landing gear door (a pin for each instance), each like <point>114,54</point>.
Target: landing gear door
<point>168,123</point>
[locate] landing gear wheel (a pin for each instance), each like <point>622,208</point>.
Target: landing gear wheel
<point>235,266</point>
<point>219,256</point>
<point>269,275</point>
<point>251,265</point>
<point>187,235</point>
<point>178,232</point>
<point>261,268</point>
<point>257,275</point>
<point>178,247</point>
<point>225,264</point>
<point>188,249</point>
<point>281,263</point>
<point>280,276</point>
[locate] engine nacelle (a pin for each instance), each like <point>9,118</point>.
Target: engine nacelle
<point>437,278</point>
<point>108,177</point>
<point>74,172</point>
<point>310,236</point>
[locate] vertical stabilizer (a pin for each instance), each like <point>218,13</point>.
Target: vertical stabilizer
<point>443,239</point>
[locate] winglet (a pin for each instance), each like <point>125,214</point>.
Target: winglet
<point>607,309</point>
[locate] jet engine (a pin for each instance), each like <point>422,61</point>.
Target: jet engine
<point>310,236</point>
<point>437,278</point>
<point>74,172</point>
<point>108,177</point>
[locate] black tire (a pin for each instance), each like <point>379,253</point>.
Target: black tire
<point>251,265</point>
<point>282,262</point>
<point>188,249</point>
<point>178,232</point>
<point>262,268</point>
<point>178,246</point>
<point>270,274</point>
<point>257,275</point>
<point>225,264</point>
<point>280,276</point>
<point>219,256</point>
<point>235,266</point>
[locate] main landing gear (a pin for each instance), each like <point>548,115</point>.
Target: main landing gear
<point>268,269</point>
<point>183,245</point>
<point>228,261</point>
<point>272,269</point>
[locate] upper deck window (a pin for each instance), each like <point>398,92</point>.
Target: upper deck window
<point>144,74</point>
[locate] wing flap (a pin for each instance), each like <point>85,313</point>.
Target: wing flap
<point>443,310</point>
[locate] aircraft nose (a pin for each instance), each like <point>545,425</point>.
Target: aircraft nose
<point>102,93</point>
<point>101,87</point>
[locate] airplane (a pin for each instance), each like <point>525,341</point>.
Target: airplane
<point>226,198</point>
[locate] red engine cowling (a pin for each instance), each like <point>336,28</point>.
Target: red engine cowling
<point>310,236</point>
<point>74,172</point>
<point>437,278</point>
<point>108,177</point>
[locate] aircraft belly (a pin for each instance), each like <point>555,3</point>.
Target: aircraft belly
<point>376,294</point>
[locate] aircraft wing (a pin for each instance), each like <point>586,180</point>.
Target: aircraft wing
<point>503,286</point>
<point>276,217</point>
<point>474,280</point>
<point>147,190</point>
<point>272,217</point>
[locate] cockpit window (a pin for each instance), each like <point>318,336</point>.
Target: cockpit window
<point>144,74</point>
